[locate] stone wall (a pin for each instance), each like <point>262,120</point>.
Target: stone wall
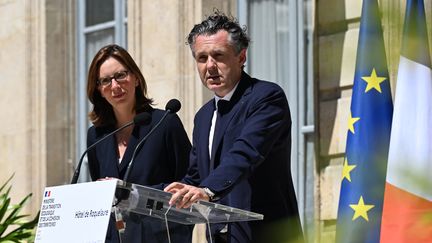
<point>37,67</point>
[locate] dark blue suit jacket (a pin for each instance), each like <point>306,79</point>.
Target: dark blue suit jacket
<point>252,161</point>
<point>162,159</point>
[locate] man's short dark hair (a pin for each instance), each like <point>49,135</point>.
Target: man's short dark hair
<point>219,21</point>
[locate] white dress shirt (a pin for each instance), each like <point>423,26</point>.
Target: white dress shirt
<point>227,97</point>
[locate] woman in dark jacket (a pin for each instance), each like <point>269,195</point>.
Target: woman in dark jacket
<point>118,92</point>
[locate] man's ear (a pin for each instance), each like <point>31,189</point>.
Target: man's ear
<point>242,56</point>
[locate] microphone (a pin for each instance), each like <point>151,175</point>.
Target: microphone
<point>171,107</point>
<point>138,119</point>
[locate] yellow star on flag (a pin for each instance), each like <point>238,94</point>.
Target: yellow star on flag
<point>361,209</point>
<point>346,170</point>
<point>373,81</point>
<point>351,121</point>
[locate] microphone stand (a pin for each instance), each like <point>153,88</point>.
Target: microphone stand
<point>78,168</point>
<point>123,193</point>
<point>140,118</point>
<point>171,107</point>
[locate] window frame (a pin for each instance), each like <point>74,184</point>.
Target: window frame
<point>83,106</point>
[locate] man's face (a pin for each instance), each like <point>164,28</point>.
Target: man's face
<point>218,64</point>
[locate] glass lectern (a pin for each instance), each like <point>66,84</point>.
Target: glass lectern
<point>151,202</point>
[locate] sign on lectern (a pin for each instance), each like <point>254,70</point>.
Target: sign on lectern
<point>75,213</point>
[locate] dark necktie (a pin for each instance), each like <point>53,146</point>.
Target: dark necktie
<point>222,108</point>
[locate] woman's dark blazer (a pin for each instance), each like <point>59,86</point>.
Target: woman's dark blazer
<point>162,159</point>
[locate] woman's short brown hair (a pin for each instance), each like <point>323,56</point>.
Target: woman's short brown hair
<point>102,113</point>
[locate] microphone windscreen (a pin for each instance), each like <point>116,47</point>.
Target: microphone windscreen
<point>142,118</point>
<point>173,106</point>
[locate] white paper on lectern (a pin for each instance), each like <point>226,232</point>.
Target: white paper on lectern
<point>76,213</point>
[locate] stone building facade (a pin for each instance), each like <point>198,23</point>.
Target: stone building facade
<point>43,102</point>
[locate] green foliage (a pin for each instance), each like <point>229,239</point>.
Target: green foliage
<point>13,226</point>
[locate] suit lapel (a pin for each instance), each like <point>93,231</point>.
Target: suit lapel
<point>243,89</point>
<point>204,133</point>
<point>107,151</point>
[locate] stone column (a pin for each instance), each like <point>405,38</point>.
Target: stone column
<point>37,101</point>
<point>337,31</point>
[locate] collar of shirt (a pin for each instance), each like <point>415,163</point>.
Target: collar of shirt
<point>227,96</point>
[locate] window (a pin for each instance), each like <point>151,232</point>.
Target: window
<point>99,22</point>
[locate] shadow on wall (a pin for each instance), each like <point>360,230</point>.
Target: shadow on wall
<point>332,27</point>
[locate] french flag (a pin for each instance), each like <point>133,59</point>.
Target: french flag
<point>407,210</point>
<point>47,193</point>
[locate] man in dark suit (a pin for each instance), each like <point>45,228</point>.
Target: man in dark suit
<point>241,141</point>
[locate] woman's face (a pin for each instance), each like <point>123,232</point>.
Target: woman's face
<point>118,85</point>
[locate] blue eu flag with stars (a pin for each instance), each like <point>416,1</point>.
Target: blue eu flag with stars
<point>369,125</point>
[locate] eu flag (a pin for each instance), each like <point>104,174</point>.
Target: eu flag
<point>369,125</point>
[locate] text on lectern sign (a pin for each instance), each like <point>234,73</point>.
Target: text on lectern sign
<point>75,213</point>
